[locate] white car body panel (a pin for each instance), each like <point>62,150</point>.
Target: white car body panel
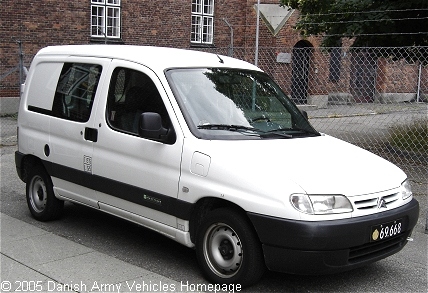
<point>237,169</point>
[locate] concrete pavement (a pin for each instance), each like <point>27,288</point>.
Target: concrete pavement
<point>34,260</point>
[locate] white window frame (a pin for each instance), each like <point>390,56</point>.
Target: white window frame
<point>106,19</point>
<point>202,30</point>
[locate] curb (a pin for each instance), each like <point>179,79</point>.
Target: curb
<point>343,115</point>
<point>9,141</point>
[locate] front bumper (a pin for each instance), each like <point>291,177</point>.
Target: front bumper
<point>324,247</point>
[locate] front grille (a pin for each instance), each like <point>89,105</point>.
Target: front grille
<point>371,202</point>
<point>377,249</point>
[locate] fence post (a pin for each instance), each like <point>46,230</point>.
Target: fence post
<point>256,57</point>
<point>418,93</point>
<point>21,64</point>
<point>230,53</point>
<point>21,67</point>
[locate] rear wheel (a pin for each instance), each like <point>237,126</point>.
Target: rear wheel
<point>228,249</point>
<point>41,201</point>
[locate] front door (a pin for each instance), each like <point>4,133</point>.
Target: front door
<point>131,173</point>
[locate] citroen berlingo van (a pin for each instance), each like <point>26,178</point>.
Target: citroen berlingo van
<point>208,151</point>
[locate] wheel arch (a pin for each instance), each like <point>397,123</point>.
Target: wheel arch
<point>28,162</point>
<point>207,204</point>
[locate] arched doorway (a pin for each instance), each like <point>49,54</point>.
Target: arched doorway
<point>363,76</point>
<point>301,58</point>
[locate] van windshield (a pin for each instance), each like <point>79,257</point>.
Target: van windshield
<point>219,102</point>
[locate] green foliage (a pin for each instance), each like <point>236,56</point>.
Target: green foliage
<point>411,138</point>
<point>373,23</point>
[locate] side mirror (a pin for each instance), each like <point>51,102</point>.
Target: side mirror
<point>150,126</point>
<point>305,114</point>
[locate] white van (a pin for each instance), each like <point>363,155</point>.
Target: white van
<point>206,150</point>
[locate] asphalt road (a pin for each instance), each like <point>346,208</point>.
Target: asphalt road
<point>403,272</point>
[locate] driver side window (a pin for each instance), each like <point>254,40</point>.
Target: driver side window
<point>132,93</point>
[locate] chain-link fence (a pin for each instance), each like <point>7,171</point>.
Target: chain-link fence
<point>375,98</point>
<point>372,97</point>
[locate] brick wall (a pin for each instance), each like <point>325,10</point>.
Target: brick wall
<point>162,23</point>
<point>168,23</point>
<point>37,24</point>
<point>398,75</point>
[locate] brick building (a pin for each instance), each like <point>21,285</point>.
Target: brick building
<point>221,26</point>
<point>206,24</point>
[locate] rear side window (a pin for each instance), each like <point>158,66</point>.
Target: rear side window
<point>75,91</point>
<point>42,85</point>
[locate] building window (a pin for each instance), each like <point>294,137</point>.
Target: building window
<point>105,18</point>
<point>202,21</point>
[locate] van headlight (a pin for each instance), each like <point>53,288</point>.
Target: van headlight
<point>406,189</point>
<point>321,204</point>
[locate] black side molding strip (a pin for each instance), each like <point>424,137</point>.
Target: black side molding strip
<point>160,202</point>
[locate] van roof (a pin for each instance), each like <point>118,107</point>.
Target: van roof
<point>154,57</point>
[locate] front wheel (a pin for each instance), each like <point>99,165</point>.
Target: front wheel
<point>228,249</point>
<point>41,201</point>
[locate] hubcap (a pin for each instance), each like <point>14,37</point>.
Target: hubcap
<point>38,194</point>
<point>226,249</point>
<point>223,250</point>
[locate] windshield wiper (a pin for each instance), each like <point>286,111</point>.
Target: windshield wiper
<point>230,127</point>
<point>295,129</point>
<point>277,132</point>
<point>245,130</point>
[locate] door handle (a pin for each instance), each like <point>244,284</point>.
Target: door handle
<point>91,134</point>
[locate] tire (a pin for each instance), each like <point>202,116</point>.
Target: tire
<point>41,201</point>
<point>228,249</point>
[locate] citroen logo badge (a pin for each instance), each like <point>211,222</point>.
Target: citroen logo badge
<point>381,203</point>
